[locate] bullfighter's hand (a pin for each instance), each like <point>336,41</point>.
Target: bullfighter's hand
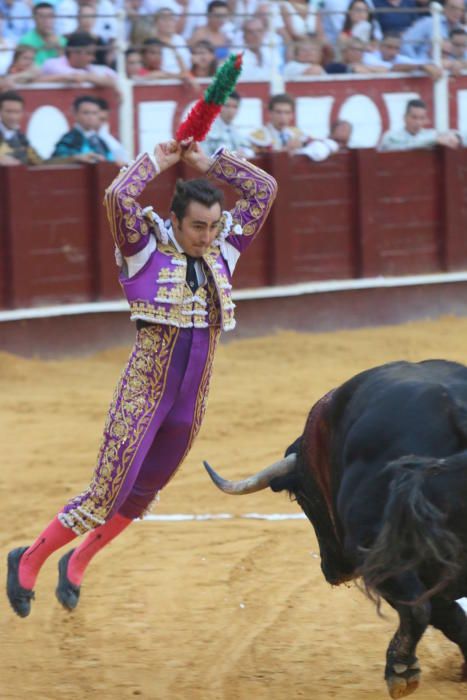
<point>167,154</point>
<point>193,155</point>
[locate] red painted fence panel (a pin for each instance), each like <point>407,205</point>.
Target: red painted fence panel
<point>358,214</point>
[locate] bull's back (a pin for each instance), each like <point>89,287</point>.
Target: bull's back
<point>401,408</point>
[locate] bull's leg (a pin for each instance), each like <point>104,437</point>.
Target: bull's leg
<point>449,617</point>
<point>402,673</point>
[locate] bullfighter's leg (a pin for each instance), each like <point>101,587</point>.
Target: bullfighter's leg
<point>402,672</point>
<point>178,431</point>
<point>167,451</point>
<point>144,396</point>
<point>451,620</point>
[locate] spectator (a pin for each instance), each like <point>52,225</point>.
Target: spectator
<point>396,15</point>
<point>279,134</point>
<point>352,59</point>
<point>106,21</point>
<point>87,25</point>
<point>415,134</point>
<point>42,37</point>
<point>308,55</point>
<point>388,58</point>
<point>275,32</point>
<point>17,19</point>
<point>359,23</point>
<point>455,51</point>
<point>333,17</point>
<point>302,19</point>
<point>152,56</point>
<point>133,63</point>
<point>175,54</point>
<point>189,14</point>
<point>22,68</point>
<point>259,61</point>
<point>417,40</point>
<point>135,12</point>
<point>15,148</point>
<point>77,65</point>
<point>119,153</point>
<point>203,60</point>
<point>341,133</point>
<point>7,46</point>
<point>240,9</point>
<point>224,133</point>
<point>213,32</point>
<point>82,144</point>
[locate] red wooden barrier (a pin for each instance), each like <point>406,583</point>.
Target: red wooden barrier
<point>358,214</point>
<point>400,212</point>
<point>49,235</point>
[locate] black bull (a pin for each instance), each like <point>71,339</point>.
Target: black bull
<point>381,473</point>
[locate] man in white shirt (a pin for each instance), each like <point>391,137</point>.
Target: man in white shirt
<point>389,58</point>
<point>106,20</point>
<point>307,59</point>
<point>414,134</point>
<point>175,49</point>
<point>418,39</point>
<point>224,133</point>
<point>260,62</point>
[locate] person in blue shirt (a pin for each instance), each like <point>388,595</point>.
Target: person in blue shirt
<point>397,20</point>
<point>417,40</point>
<point>82,144</point>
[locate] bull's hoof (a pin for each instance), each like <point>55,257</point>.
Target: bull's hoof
<point>404,680</point>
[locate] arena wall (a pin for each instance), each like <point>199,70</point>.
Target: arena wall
<point>351,224</point>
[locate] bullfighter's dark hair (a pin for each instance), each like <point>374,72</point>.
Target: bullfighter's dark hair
<point>199,190</point>
<point>280,99</point>
<point>416,104</point>
<point>11,96</point>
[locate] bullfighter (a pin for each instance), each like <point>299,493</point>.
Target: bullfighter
<point>176,275</point>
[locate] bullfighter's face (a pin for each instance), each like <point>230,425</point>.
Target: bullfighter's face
<point>198,228</point>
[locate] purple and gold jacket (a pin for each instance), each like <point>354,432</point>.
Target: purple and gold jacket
<point>158,292</point>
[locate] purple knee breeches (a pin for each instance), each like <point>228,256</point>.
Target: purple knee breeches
<point>156,413</point>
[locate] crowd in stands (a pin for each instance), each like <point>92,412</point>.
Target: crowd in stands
<point>90,141</point>
<point>74,41</point>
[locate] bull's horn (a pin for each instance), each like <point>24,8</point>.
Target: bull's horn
<point>257,482</point>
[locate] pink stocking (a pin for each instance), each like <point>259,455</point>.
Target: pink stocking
<point>94,542</point>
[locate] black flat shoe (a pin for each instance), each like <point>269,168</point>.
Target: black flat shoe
<point>67,593</point>
<point>19,597</point>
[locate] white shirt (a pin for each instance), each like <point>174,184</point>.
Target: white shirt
<point>105,27</point>
<point>294,69</point>
<point>169,61</point>
<point>227,135</point>
<point>253,69</point>
<point>115,147</point>
<point>375,58</point>
<point>7,49</point>
<point>402,140</point>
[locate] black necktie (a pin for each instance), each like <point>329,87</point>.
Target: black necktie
<point>191,276</point>
<point>97,145</point>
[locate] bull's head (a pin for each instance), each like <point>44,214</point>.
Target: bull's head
<point>261,480</point>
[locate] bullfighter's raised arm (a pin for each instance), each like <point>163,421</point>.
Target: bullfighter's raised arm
<point>257,188</point>
<point>128,225</point>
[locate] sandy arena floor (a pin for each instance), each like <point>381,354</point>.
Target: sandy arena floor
<point>234,609</point>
